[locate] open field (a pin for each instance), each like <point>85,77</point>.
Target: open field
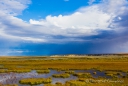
<point>107,70</point>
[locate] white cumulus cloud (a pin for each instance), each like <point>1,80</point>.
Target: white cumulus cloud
<point>85,22</point>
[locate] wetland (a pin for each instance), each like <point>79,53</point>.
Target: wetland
<point>108,70</point>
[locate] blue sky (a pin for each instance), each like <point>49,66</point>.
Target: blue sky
<point>42,8</point>
<point>50,27</point>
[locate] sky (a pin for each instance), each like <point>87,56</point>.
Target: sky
<point>59,27</point>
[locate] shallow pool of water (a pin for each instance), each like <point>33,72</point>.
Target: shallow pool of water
<point>14,78</point>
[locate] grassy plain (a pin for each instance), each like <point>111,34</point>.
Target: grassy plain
<point>118,63</point>
<point>112,64</point>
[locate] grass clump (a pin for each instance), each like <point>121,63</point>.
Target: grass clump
<point>70,72</point>
<point>59,83</point>
<point>62,69</point>
<point>75,83</point>
<point>54,85</point>
<point>113,74</point>
<point>19,71</point>
<point>65,75</point>
<point>35,81</point>
<point>83,75</point>
<point>94,73</point>
<point>3,71</point>
<point>10,85</point>
<point>49,85</point>
<point>43,71</point>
